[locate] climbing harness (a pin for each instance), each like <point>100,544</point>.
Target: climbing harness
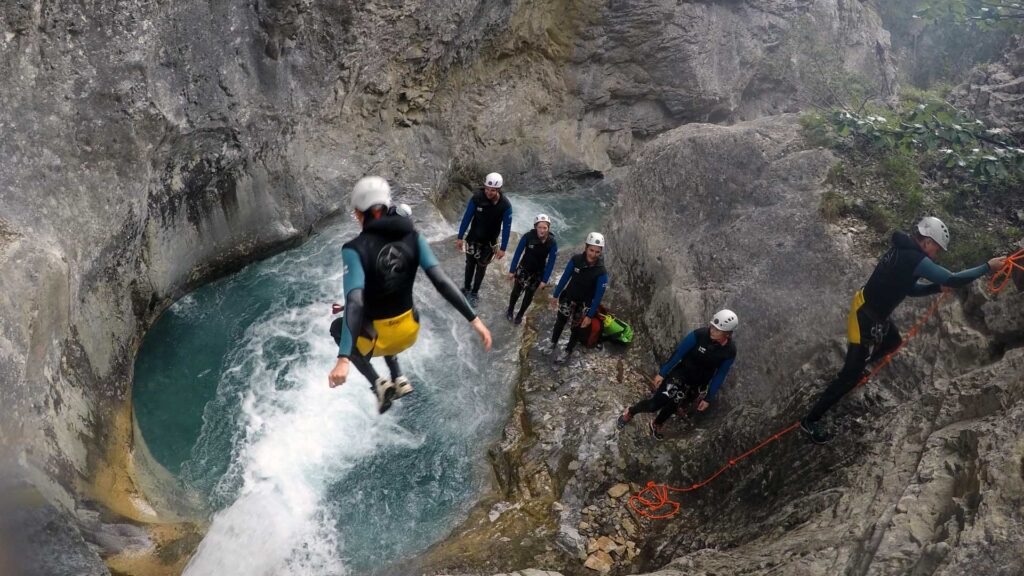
<point>653,501</point>
<point>1002,276</point>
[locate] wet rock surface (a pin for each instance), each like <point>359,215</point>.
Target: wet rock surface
<point>151,147</point>
<point>924,473</point>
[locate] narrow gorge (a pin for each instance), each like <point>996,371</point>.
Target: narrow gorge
<point>174,181</point>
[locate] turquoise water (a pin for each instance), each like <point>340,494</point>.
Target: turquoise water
<point>231,396</point>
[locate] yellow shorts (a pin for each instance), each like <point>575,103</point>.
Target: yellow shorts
<point>852,324</point>
<point>393,335</point>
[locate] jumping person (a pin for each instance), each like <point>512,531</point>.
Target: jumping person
<point>578,294</point>
<point>871,335</point>
<point>380,269</point>
<point>538,250</point>
<point>695,372</point>
<point>487,213</point>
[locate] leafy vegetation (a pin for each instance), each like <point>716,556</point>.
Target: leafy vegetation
<point>984,12</point>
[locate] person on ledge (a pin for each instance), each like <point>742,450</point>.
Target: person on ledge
<point>578,294</point>
<point>871,335</point>
<point>488,213</point>
<point>532,265</point>
<point>694,373</point>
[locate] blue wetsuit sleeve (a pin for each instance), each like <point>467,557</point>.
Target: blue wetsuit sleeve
<point>719,377</point>
<point>564,279</point>
<point>552,256</point>
<point>684,347</point>
<point>427,258</point>
<point>354,281</point>
<point>518,254</point>
<point>442,283</point>
<point>602,285</point>
<point>466,219</point>
<point>506,228</point>
<point>939,277</point>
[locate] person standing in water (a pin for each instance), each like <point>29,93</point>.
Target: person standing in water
<point>578,294</point>
<point>488,213</point>
<point>380,270</point>
<point>531,265</point>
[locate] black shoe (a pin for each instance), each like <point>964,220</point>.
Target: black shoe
<point>473,297</point>
<point>518,320</point>
<point>816,430</point>
<point>509,317</point>
<point>560,356</point>
<point>655,430</point>
<point>623,420</point>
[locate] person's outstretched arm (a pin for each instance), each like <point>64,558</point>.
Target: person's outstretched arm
<point>564,280</point>
<point>716,381</point>
<point>939,277</point>
<point>602,285</point>
<point>684,347</point>
<point>518,254</point>
<point>466,219</point>
<point>442,283</point>
<point>354,281</point>
<point>506,227</point>
<point>550,266</point>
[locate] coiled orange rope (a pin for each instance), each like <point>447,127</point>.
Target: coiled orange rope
<point>653,501</point>
<point>1001,277</point>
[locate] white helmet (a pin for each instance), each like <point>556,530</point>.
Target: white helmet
<point>595,239</point>
<point>493,180</point>
<point>725,320</point>
<point>369,192</point>
<point>932,227</point>
<point>541,218</point>
<point>403,209</point>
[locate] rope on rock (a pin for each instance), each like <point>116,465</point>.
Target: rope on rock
<point>1001,277</point>
<point>653,501</point>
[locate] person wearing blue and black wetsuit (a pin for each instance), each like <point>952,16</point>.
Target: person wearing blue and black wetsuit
<point>488,213</point>
<point>871,335</point>
<point>380,270</point>
<point>695,371</point>
<point>532,265</point>
<point>578,294</point>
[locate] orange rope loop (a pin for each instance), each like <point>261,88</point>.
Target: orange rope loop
<point>1003,275</point>
<point>650,501</point>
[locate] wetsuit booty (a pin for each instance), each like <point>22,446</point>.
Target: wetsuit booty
<point>385,390</point>
<point>816,431</point>
<point>518,320</point>
<point>402,387</point>
<point>623,419</point>
<point>508,316</point>
<point>655,430</point>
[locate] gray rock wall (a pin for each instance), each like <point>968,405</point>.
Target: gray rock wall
<point>150,146</point>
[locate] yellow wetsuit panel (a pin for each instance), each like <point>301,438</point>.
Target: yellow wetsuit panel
<point>394,335</point>
<point>852,326</point>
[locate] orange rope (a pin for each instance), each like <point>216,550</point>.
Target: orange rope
<point>1000,278</point>
<point>653,501</point>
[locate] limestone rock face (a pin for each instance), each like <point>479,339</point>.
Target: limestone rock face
<point>926,464</point>
<point>148,147</point>
<point>994,93</point>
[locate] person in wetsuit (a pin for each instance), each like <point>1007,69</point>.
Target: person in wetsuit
<point>532,265</point>
<point>488,213</point>
<point>380,270</point>
<point>871,335</point>
<point>695,371</point>
<point>578,294</point>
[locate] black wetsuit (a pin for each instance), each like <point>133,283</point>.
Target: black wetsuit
<point>532,264</point>
<point>486,220</point>
<point>698,367</point>
<point>871,334</point>
<point>579,293</point>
